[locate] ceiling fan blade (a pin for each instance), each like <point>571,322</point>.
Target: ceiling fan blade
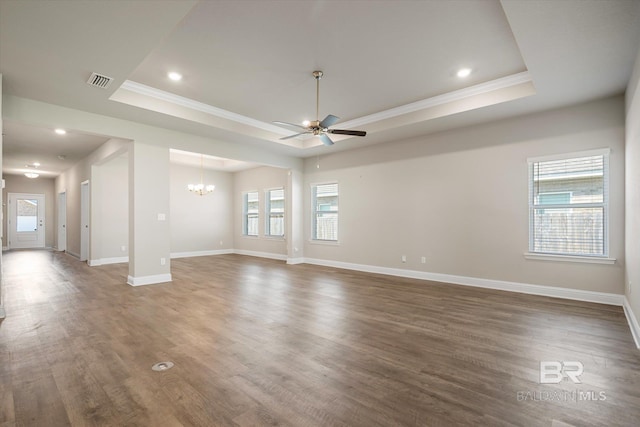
<point>290,124</point>
<point>295,135</point>
<point>325,139</point>
<point>329,121</point>
<point>347,132</point>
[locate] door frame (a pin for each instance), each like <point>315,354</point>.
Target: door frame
<point>84,220</point>
<point>12,219</point>
<point>62,221</point>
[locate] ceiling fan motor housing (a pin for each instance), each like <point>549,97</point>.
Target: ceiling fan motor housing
<point>321,128</point>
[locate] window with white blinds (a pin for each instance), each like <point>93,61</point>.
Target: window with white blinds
<point>325,212</point>
<point>274,208</point>
<point>250,213</point>
<point>568,204</point>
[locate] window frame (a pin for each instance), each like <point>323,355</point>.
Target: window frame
<point>603,258</point>
<point>245,213</point>
<point>268,213</point>
<point>314,213</point>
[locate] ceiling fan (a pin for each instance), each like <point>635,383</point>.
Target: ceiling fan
<point>321,128</point>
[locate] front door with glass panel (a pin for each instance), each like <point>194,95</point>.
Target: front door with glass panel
<point>26,221</point>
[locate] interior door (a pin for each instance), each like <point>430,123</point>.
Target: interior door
<point>26,222</point>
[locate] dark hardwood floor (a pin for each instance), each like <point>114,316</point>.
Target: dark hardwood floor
<point>257,342</point>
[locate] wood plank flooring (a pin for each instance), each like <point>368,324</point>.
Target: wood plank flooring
<point>258,343</point>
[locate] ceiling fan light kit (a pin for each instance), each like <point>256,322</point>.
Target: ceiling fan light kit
<point>320,128</point>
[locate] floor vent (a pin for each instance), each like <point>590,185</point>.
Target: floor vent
<point>162,366</point>
<point>98,80</point>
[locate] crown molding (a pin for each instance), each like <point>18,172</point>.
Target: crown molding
<point>446,98</point>
<point>432,102</point>
<point>152,92</point>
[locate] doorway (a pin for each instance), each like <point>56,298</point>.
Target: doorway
<point>62,221</point>
<point>26,222</point>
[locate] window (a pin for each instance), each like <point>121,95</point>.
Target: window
<point>275,213</point>
<point>250,214</point>
<point>27,215</point>
<point>325,212</point>
<point>568,204</point>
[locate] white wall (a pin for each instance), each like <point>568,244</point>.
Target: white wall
<point>632,206</point>
<point>110,211</point>
<point>70,180</point>
<point>258,179</point>
<point>459,198</point>
<point>200,224</point>
<point>2,312</point>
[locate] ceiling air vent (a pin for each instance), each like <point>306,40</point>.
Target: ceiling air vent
<point>98,80</point>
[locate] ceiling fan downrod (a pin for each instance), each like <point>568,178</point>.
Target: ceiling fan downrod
<point>318,75</point>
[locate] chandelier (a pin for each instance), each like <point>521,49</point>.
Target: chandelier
<point>201,189</point>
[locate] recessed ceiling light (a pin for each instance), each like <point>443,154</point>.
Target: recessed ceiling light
<point>176,77</point>
<point>463,72</point>
<point>306,123</point>
<point>31,175</point>
<point>36,164</point>
<point>60,131</point>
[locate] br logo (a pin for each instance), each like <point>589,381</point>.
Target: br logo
<point>552,372</point>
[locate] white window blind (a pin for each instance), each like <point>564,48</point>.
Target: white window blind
<point>568,205</point>
<point>250,209</point>
<point>325,212</point>
<point>274,208</point>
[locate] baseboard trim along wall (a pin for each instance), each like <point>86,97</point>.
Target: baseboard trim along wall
<point>3,314</point>
<point>279,257</point>
<point>633,321</point>
<point>548,291</point>
<point>294,261</point>
<point>201,253</point>
<point>148,280</point>
<point>105,261</point>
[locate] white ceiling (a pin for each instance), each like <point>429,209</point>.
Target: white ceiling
<point>25,144</point>
<point>389,65</point>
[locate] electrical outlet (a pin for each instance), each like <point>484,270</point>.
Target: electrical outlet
<point>163,261</point>
<point>423,260</point>
<point>404,258</point>
<point>123,248</point>
<point>220,242</point>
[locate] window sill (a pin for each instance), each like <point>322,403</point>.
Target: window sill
<point>570,258</point>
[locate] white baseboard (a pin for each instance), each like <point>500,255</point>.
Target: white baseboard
<point>201,253</point>
<point>549,291</point>
<point>148,280</point>
<point>280,257</point>
<point>633,321</point>
<point>294,261</point>
<point>72,254</point>
<point>105,261</point>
